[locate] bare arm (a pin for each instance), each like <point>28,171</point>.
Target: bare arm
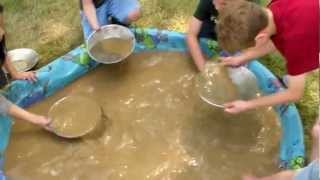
<point>262,48</point>
<point>10,68</point>
<point>193,43</point>
<point>293,93</point>
<point>20,113</point>
<point>31,76</point>
<point>90,12</point>
<point>259,50</point>
<point>6,107</point>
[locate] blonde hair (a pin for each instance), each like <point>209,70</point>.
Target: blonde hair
<point>239,23</point>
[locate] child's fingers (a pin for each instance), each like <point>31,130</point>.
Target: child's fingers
<point>229,62</point>
<point>48,125</point>
<point>228,105</point>
<point>32,77</point>
<point>230,108</point>
<point>29,78</point>
<point>224,61</point>
<point>48,128</point>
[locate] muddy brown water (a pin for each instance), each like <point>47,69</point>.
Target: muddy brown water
<point>155,127</point>
<point>112,49</point>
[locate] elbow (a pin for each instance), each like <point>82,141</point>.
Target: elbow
<point>134,16</point>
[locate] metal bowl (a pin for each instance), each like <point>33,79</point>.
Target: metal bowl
<point>23,59</point>
<point>108,32</point>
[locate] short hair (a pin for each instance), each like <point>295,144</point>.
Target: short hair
<point>239,23</point>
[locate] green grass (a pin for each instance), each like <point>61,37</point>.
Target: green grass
<point>52,28</point>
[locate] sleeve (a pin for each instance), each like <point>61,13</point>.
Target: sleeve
<point>301,56</point>
<point>4,105</point>
<point>301,38</point>
<point>297,37</point>
<point>202,13</point>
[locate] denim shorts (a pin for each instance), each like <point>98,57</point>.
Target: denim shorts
<point>311,172</point>
<point>2,176</point>
<point>118,9</point>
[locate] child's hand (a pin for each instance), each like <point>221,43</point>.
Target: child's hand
<point>236,107</point>
<point>30,76</point>
<point>233,61</point>
<point>96,27</point>
<point>43,122</point>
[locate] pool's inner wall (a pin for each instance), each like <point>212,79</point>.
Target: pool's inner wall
<point>69,67</point>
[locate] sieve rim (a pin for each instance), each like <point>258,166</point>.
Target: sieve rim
<point>109,26</point>
<point>70,136</point>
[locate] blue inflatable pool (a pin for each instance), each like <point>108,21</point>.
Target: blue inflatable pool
<point>71,66</point>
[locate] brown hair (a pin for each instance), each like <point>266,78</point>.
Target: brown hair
<point>239,23</point>
<point>1,8</point>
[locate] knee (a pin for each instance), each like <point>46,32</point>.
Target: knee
<point>134,15</point>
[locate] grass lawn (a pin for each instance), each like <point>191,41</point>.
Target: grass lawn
<point>52,28</point>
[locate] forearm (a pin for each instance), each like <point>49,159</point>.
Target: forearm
<point>20,113</point>
<point>90,12</point>
<point>258,51</point>
<point>9,67</point>
<point>292,94</point>
<point>8,108</point>
<point>195,51</point>
<point>277,98</point>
